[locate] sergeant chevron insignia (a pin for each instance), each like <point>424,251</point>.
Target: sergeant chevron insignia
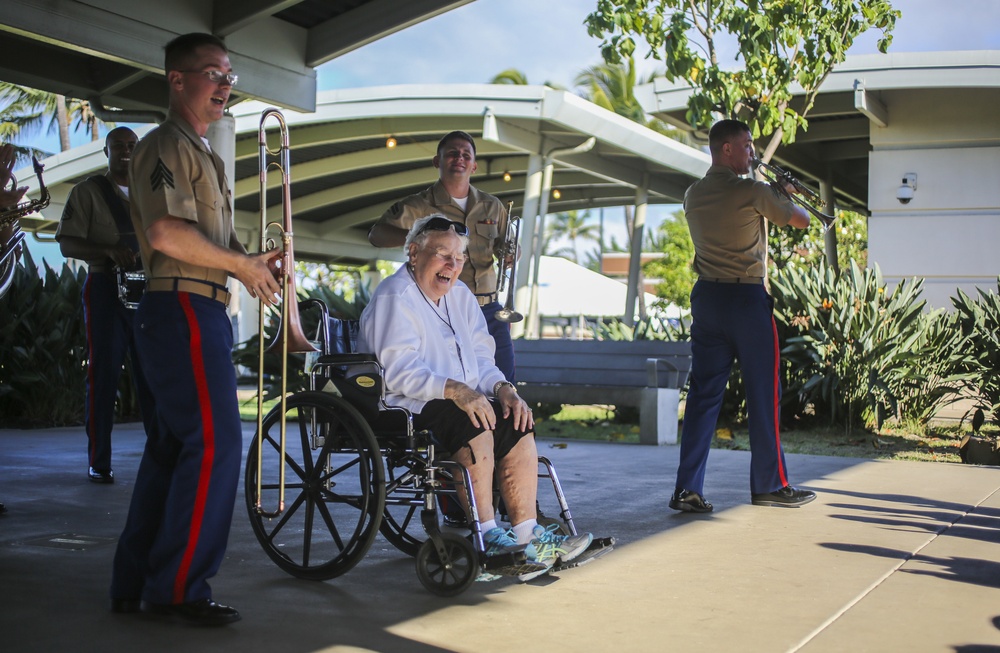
<point>161,176</point>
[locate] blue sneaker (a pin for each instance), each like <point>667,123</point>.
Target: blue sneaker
<point>498,541</point>
<point>551,545</point>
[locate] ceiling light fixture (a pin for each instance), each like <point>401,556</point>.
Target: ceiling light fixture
<point>390,143</point>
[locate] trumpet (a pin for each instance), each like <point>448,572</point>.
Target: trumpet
<point>505,271</point>
<point>805,197</point>
<point>290,337</point>
<point>10,228</point>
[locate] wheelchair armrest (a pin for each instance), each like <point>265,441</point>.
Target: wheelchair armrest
<point>345,359</point>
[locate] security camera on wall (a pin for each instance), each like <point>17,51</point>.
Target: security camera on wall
<point>906,191</point>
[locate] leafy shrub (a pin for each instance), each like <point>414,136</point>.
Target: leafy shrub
<point>44,355</point>
<point>651,328</point>
<point>859,353</point>
<point>980,325</point>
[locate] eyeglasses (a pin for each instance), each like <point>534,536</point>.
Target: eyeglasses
<point>215,76</point>
<point>457,261</point>
<point>444,224</point>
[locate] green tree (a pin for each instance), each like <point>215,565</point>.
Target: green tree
<point>511,76</point>
<point>780,43</point>
<point>573,226</point>
<point>27,110</point>
<point>673,270</point>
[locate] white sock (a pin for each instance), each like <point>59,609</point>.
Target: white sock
<point>487,526</point>
<point>525,531</point>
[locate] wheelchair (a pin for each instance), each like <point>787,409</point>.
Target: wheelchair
<point>354,467</point>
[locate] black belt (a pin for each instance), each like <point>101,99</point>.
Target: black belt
<point>193,286</point>
<point>486,298</point>
<point>753,280</point>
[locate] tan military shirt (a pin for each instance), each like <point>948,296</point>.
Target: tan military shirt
<point>485,216</point>
<point>173,172</point>
<point>87,216</point>
<point>727,216</point>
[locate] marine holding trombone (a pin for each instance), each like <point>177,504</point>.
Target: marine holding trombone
<point>487,222</point>
<point>733,319</point>
<point>175,535</point>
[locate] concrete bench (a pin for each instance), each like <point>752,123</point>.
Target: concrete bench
<point>647,374</point>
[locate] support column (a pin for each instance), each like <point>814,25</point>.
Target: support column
<point>829,207</point>
<point>529,215</point>
<point>243,309</point>
<point>634,292</point>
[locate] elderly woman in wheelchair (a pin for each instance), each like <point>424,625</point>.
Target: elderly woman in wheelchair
<point>429,334</point>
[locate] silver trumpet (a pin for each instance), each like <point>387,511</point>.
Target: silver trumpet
<point>506,272</point>
<point>805,197</point>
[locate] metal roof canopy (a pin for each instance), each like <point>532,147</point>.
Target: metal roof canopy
<point>343,177</point>
<point>111,51</point>
<point>852,99</point>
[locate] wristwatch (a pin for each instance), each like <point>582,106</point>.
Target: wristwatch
<point>500,384</point>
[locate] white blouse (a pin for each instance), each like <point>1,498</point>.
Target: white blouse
<point>421,345</point>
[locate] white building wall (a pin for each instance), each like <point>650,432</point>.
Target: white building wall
<point>949,233</point>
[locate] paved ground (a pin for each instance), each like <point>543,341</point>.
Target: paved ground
<point>891,557</point>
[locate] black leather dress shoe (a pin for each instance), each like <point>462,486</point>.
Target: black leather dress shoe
<point>101,475</point>
<point>125,606</point>
<point>787,497</point>
<point>688,501</point>
<point>205,612</point>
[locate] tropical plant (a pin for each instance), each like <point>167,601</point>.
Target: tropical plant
<point>511,77</point>
<point>572,226</point>
<point>44,355</point>
<point>650,328</point>
<point>980,324</point>
<point>25,110</point>
<point>855,350</point>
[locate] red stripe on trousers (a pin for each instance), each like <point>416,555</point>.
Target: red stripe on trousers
<point>91,434</point>
<point>208,425</point>
<point>777,405</point>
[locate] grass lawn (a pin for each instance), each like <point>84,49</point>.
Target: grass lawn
<point>937,443</point>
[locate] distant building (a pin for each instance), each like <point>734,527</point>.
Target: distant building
<point>615,265</point>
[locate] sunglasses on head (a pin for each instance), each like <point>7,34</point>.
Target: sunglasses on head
<point>444,224</point>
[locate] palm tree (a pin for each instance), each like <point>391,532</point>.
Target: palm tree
<point>25,110</point>
<point>511,76</point>
<point>515,77</point>
<point>573,226</point>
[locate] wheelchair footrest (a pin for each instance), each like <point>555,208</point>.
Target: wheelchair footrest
<point>600,546</point>
<point>512,563</point>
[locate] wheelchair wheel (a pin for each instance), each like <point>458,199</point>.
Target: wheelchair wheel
<point>334,487</point>
<point>452,576</point>
<point>404,500</point>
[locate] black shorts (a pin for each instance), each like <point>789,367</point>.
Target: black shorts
<point>453,429</point>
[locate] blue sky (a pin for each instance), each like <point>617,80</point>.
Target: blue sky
<point>477,41</point>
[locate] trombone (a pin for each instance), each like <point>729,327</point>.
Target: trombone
<point>805,197</point>
<point>508,251</point>
<point>290,337</point>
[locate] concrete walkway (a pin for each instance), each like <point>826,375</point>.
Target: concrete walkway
<point>891,557</point>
